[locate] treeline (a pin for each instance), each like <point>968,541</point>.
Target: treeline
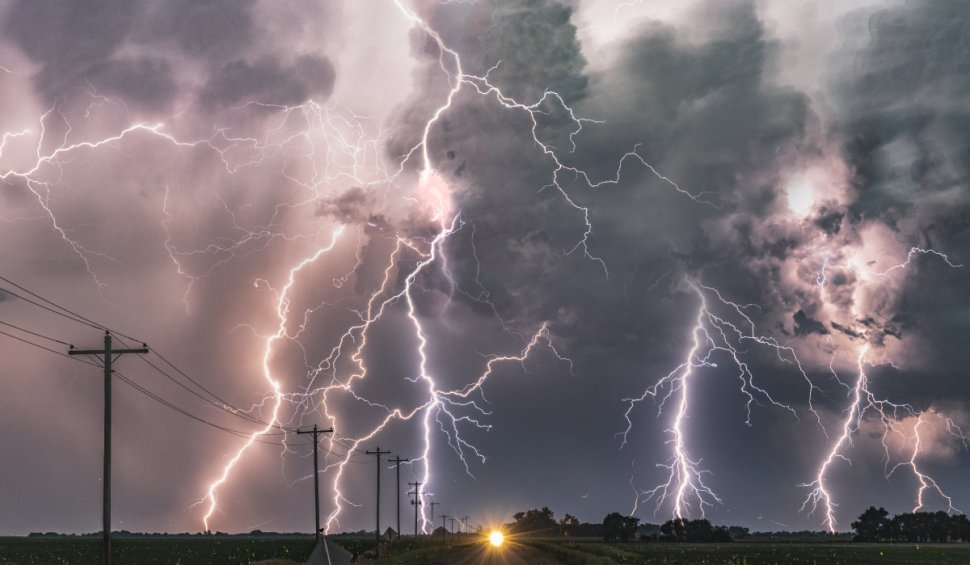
<point>875,525</point>
<point>617,527</point>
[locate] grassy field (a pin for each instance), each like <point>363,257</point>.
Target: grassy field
<point>170,550</point>
<point>243,550</point>
<point>754,553</point>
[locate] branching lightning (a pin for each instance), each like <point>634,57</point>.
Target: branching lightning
<point>339,147</point>
<point>711,335</point>
<point>865,402</point>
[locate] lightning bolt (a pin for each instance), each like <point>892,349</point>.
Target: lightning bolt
<point>887,413</point>
<point>282,313</point>
<point>711,335</point>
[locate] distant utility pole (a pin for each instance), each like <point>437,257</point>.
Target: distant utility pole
<point>397,463</point>
<point>464,523</point>
<point>316,475</point>
<point>377,530</point>
<point>106,360</point>
<point>452,523</point>
<point>416,502</point>
<point>443,527</point>
<point>432,504</point>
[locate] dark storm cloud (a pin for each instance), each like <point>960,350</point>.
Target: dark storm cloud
<point>906,117</point>
<point>533,42</point>
<point>270,81</point>
<point>353,206</point>
<point>805,325</point>
<point>69,39</point>
<point>216,30</point>
<point>84,48</point>
<point>696,99</point>
<point>145,82</point>
<point>906,121</point>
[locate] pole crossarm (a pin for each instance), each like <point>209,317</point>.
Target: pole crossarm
<point>108,356</point>
<point>377,531</point>
<point>416,502</point>
<point>397,465</point>
<point>315,432</point>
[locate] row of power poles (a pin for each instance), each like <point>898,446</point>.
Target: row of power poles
<point>416,502</point>
<point>109,354</point>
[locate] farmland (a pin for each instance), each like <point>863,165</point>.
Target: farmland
<point>754,553</point>
<point>154,550</point>
<point>233,550</point>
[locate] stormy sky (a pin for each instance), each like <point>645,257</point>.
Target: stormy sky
<point>554,252</point>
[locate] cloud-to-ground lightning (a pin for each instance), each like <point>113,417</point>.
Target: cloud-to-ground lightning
<point>712,335</point>
<point>282,312</point>
<point>307,176</point>
<point>866,403</point>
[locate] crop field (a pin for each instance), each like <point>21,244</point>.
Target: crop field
<point>591,553</point>
<point>169,550</point>
<point>194,550</point>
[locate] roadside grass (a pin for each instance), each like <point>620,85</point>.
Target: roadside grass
<point>756,553</point>
<point>427,553</point>
<point>168,550</point>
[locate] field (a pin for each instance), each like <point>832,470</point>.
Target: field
<point>241,550</point>
<point>168,550</point>
<point>754,553</point>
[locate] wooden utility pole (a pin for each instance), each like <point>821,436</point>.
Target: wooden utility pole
<point>443,526</point>
<point>316,475</point>
<point>432,504</point>
<point>464,523</point>
<point>416,502</point>
<point>397,463</point>
<point>377,530</point>
<point>106,359</point>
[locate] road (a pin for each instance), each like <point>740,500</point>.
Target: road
<point>508,554</point>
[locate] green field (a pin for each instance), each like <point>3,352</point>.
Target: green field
<point>170,550</point>
<point>232,550</point>
<point>738,553</point>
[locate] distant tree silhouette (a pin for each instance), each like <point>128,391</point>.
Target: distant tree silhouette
<point>872,525</point>
<point>536,522</point>
<point>567,525</point>
<point>915,527</point>
<point>617,527</point>
<point>693,531</point>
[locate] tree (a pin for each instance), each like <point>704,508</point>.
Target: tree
<point>694,531</point>
<point>535,521</point>
<point>617,527</point>
<point>568,525</point>
<point>872,525</point>
<point>674,530</point>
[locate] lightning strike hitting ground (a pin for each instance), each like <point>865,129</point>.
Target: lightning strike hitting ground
<point>889,415</point>
<point>282,312</point>
<point>712,335</point>
<point>351,152</point>
<point>337,147</point>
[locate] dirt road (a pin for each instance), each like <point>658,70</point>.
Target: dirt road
<point>508,554</point>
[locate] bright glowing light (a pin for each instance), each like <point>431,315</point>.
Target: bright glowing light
<point>496,538</point>
<point>801,198</point>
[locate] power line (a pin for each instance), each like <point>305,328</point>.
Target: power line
<point>69,313</point>
<point>37,345</point>
<point>204,389</point>
<point>174,407</point>
<point>26,331</point>
<point>225,407</point>
<point>49,309</point>
<point>220,403</point>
